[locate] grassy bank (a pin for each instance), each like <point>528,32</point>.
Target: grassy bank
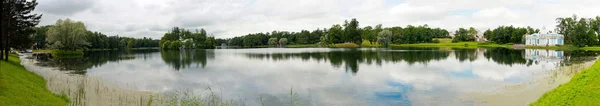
<point>582,90</point>
<point>21,87</point>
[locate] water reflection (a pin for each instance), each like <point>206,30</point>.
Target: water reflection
<point>425,76</point>
<point>350,58</point>
<point>180,59</point>
<point>92,59</point>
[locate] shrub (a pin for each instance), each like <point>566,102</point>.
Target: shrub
<point>436,41</point>
<point>346,45</point>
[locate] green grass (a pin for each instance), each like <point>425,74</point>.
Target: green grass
<point>582,90</point>
<point>19,87</point>
<point>444,40</point>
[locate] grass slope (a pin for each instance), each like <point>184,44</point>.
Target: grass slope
<point>582,90</point>
<point>19,87</point>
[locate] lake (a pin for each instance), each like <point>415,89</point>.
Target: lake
<point>336,76</point>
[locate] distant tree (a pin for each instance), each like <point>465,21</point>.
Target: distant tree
<point>487,34</point>
<point>210,43</point>
<point>368,33</point>
<point>39,38</point>
<point>352,32</point>
<point>384,37</point>
<point>463,34</point>
<point>273,41</point>
<point>335,34</point>
<point>283,42</point>
<point>67,35</point>
<point>175,44</point>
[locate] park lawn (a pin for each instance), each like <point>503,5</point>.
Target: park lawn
<point>19,87</point>
<point>444,40</point>
<point>582,90</point>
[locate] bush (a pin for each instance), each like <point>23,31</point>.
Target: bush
<point>436,41</point>
<point>346,45</point>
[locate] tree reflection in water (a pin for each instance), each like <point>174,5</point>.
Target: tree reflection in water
<point>181,59</point>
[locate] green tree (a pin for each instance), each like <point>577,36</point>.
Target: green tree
<point>210,43</point>
<point>335,34</point>
<point>383,38</point>
<point>283,42</point>
<point>462,34</point>
<point>67,35</point>
<point>352,32</point>
<point>273,41</point>
<point>17,24</point>
<point>175,44</point>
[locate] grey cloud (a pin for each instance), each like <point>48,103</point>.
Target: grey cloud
<point>64,7</point>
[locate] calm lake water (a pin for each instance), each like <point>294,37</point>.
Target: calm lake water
<point>326,76</point>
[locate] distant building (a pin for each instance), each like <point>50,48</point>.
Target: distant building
<point>544,39</point>
<point>544,55</point>
<point>480,38</point>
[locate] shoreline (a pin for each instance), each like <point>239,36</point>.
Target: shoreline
<point>85,90</point>
<point>529,92</point>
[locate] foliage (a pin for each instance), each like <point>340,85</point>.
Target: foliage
<point>419,34</point>
<point>384,38</point>
<point>198,39</point>
<point>352,32</point>
<point>463,34</point>
<point>16,25</point>
<point>582,90</point>
<point>21,87</point>
<point>579,31</point>
<point>67,35</point>
<point>273,41</point>
<point>508,34</point>
<point>283,41</point>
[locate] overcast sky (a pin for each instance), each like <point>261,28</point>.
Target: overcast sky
<point>229,18</point>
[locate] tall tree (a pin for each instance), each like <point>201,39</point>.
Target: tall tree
<point>384,37</point>
<point>16,24</point>
<point>67,35</point>
<point>352,32</point>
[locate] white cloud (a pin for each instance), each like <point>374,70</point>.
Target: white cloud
<point>228,18</point>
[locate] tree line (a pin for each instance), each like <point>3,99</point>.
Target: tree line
<point>179,38</point>
<point>73,35</point>
<point>579,31</point>
<point>348,32</point>
<point>509,34</point>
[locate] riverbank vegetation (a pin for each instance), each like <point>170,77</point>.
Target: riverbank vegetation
<point>348,32</point>
<point>46,37</point>
<point>582,90</point>
<point>21,87</point>
<point>179,38</point>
